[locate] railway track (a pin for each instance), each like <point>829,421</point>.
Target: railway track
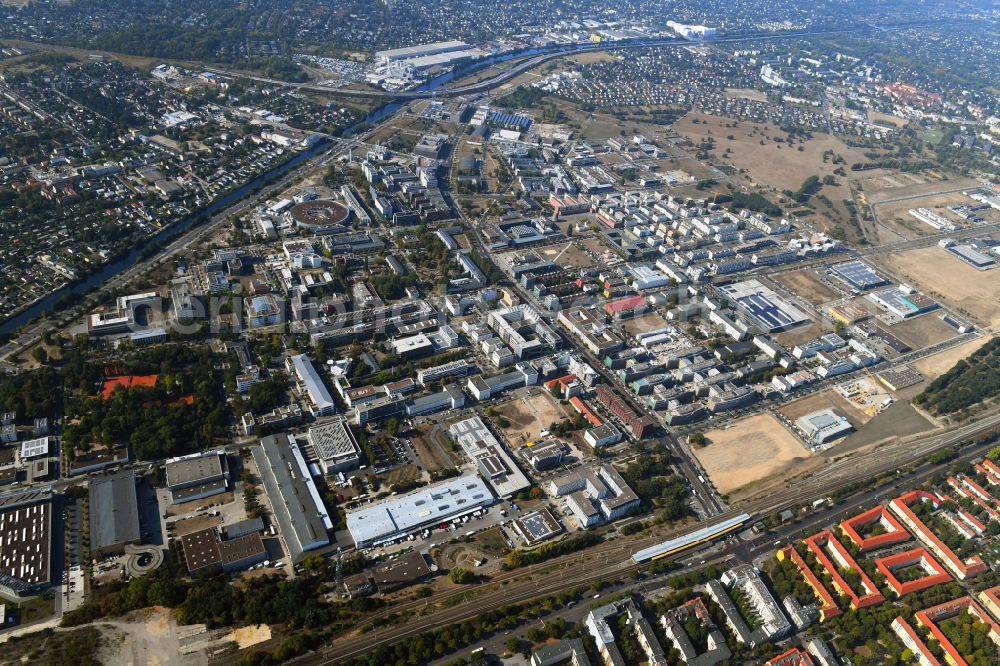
<point>521,585</point>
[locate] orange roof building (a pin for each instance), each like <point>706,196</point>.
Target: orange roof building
<point>893,532</point>
<point>960,569</point>
<point>935,574</point>
<point>825,546</point>
<point>990,599</point>
<point>972,491</point>
<point>827,606</point>
<point>911,639</point>
<point>793,657</point>
<point>930,617</point>
<point>581,407</point>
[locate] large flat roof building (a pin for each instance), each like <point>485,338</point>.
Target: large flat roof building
<point>206,551</point>
<point>295,501</point>
<point>26,529</point>
<point>595,494</point>
<point>320,401</point>
<point>824,426</point>
<point>395,517</point>
<point>197,476</point>
<point>420,51</point>
<point>401,572</point>
<point>114,513</point>
<point>336,448</point>
<point>495,463</point>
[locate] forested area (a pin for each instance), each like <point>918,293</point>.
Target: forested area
<point>30,394</point>
<point>665,494</point>
<point>970,381</point>
<point>184,411</point>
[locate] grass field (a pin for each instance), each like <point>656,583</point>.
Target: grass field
<point>807,285</point>
<point>751,450</point>
<point>746,93</point>
<point>528,416</point>
<point>779,166</point>
<point>945,277</point>
<point>773,164</point>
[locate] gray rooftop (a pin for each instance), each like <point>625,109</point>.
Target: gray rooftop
<point>334,441</point>
<point>433,504</point>
<point>194,470</point>
<point>114,512</point>
<point>297,507</point>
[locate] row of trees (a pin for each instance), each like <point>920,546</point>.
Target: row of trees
<point>520,558</point>
<point>296,603</point>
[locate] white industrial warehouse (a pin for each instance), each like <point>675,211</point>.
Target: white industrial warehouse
<point>396,517</point>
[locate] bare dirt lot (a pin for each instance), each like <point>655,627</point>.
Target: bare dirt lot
<point>150,636</point>
<point>934,366</point>
<point>750,451</point>
<point>897,218</point>
<point>431,449</point>
<point>807,285</point>
<point>923,331</point>
<point>945,277</point>
<point>645,323</point>
<point>570,255</point>
<point>528,416</point>
<point>881,186</point>
<point>828,399</point>
<point>800,334</point>
<point>899,420</point>
<point>401,473</point>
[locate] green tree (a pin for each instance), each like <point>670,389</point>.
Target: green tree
<point>460,576</point>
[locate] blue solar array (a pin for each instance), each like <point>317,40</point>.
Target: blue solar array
<point>510,120</point>
<point>766,311</point>
<point>859,275</point>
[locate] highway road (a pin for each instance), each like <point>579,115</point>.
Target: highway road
<point>560,50</point>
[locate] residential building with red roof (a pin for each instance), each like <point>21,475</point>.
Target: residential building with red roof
<point>912,640</point>
<point>893,532</point>
<point>931,617</point>
<point>792,657</point>
<point>900,506</point>
<point>827,606</point>
<point>825,546</point>
<point>934,573</point>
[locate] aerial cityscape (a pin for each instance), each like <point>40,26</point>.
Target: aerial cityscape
<point>534,333</point>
